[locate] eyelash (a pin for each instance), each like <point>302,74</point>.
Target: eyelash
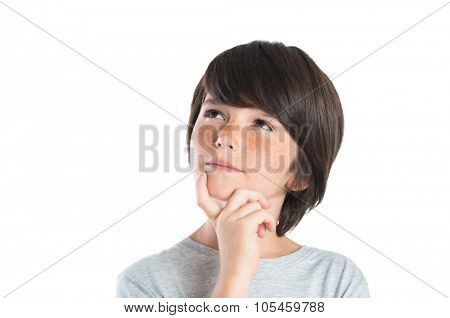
<point>207,113</point>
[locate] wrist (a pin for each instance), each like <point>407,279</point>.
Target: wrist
<point>235,275</point>
<point>235,278</point>
<point>232,286</point>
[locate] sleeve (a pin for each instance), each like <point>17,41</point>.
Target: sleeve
<point>128,287</point>
<point>354,283</point>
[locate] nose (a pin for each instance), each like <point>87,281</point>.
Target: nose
<point>227,137</point>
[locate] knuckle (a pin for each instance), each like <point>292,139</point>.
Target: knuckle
<point>256,205</point>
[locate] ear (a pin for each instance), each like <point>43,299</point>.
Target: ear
<point>290,182</point>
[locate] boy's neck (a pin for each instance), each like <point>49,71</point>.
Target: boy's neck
<point>271,246</point>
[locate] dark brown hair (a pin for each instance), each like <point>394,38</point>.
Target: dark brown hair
<point>283,81</point>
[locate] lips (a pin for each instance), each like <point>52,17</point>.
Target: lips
<point>223,164</point>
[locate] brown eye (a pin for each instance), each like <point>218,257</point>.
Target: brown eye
<point>210,113</point>
<point>259,122</point>
<point>262,123</point>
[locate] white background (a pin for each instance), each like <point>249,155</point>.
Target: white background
<point>69,135</point>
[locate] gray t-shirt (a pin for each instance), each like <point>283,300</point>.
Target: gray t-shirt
<point>190,269</point>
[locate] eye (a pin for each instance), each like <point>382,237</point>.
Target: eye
<point>258,122</point>
<point>262,122</point>
<point>208,113</point>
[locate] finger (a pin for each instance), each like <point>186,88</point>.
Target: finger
<point>242,196</point>
<point>262,230</point>
<point>262,227</point>
<point>256,218</point>
<point>245,210</point>
<point>204,200</point>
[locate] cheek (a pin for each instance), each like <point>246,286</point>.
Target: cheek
<point>202,135</point>
<point>273,165</point>
<point>202,141</point>
<point>278,160</point>
<point>255,151</point>
<point>266,154</point>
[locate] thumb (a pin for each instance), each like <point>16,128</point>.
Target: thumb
<point>204,200</point>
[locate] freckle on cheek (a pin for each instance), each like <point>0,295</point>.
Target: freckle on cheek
<point>257,152</point>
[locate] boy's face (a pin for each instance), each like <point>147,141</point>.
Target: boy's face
<point>242,137</point>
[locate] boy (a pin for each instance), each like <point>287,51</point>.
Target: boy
<point>265,127</point>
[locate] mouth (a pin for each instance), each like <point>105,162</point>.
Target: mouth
<point>222,166</point>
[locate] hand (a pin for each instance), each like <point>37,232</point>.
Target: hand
<point>237,226</point>
<point>212,206</point>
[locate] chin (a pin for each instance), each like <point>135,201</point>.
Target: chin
<point>221,187</point>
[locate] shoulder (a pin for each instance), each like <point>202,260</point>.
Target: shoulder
<point>152,275</point>
<point>137,278</point>
<point>339,271</point>
<point>327,257</point>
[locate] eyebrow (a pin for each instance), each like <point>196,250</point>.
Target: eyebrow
<point>262,113</point>
<point>211,101</point>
